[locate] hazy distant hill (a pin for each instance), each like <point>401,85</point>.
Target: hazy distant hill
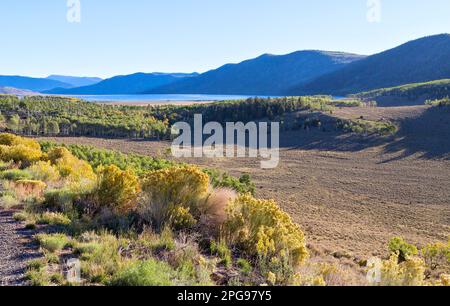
<point>127,84</point>
<point>34,84</point>
<point>265,75</point>
<point>75,81</point>
<point>421,60</point>
<point>17,92</point>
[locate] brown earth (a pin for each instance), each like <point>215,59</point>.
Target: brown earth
<point>350,192</point>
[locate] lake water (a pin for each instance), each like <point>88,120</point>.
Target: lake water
<point>158,98</point>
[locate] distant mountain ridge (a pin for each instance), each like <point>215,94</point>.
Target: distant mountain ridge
<point>125,84</point>
<point>265,75</point>
<point>299,73</point>
<point>17,92</point>
<point>33,84</point>
<point>421,60</point>
<point>75,81</point>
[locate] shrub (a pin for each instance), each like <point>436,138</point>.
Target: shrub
<point>27,188</point>
<point>244,266</point>
<point>103,260</point>
<point>260,228</point>
<point>221,249</point>
<point>37,278</point>
<point>43,171</point>
<point>8,201</point>
<point>166,241</point>
<point>145,273</point>
<point>60,199</point>
<point>117,189</point>
<point>36,264</point>
<point>410,272</point>
<point>69,166</point>
<point>437,256</point>
<point>223,180</point>
<point>13,140</point>
<point>181,218</point>
<point>53,242</point>
<point>52,218</point>
<point>20,154</point>
<point>214,213</point>
<point>20,217</point>
<point>166,189</point>
<point>16,175</point>
<point>404,250</point>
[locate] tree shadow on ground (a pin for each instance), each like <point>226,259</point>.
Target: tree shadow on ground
<point>427,135</point>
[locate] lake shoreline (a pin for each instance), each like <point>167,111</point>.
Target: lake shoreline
<point>155,103</point>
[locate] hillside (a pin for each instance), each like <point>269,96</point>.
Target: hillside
<point>421,60</point>
<point>15,91</point>
<point>75,81</point>
<point>416,93</point>
<point>33,84</point>
<point>126,84</point>
<point>264,75</point>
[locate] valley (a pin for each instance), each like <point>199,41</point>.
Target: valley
<point>348,192</point>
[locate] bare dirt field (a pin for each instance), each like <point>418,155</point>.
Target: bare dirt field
<point>350,192</point>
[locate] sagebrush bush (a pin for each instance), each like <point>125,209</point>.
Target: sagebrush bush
<point>166,189</point>
<point>261,229</point>
<point>44,171</point>
<point>117,189</point>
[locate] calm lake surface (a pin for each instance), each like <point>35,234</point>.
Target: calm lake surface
<point>158,98</point>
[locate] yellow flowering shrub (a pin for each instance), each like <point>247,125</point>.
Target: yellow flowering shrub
<point>437,256</point>
<point>165,190</point>
<point>69,166</point>
<point>410,272</point>
<point>262,229</point>
<point>13,140</point>
<point>20,154</point>
<point>117,189</point>
<point>181,218</point>
<point>445,280</point>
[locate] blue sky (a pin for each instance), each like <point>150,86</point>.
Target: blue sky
<point>121,37</point>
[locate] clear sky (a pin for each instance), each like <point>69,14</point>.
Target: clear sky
<point>127,36</point>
